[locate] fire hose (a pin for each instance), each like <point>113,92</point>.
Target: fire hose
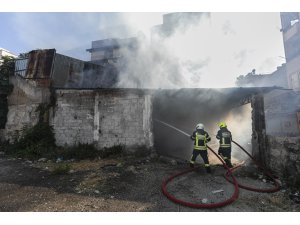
<point>266,190</point>
<point>228,174</point>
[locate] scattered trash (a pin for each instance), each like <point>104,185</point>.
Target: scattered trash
<point>264,180</point>
<point>72,171</point>
<point>295,196</point>
<point>204,200</point>
<point>131,169</point>
<point>217,191</point>
<point>279,182</point>
<point>112,196</point>
<point>108,165</point>
<point>173,162</point>
<point>59,159</point>
<point>42,160</point>
<point>28,161</point>
<point>260,176</point>
<point>97,192</point>
<point>119,165</point>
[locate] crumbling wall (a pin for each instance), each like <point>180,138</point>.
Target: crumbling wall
<point>22,106</point>
<point>284,157</point>
<point>103,117</point>
<point>73,117</point>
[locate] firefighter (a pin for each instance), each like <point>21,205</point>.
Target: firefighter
<point>200,138</point>
<point>225,138</point>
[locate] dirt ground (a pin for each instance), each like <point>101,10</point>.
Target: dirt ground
<point>127,183</point>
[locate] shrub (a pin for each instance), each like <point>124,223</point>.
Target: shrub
<point>61,169</point>
<point>82,151</point>
<point>35,142</point>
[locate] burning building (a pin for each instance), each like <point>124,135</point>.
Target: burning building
<point>87,106</point>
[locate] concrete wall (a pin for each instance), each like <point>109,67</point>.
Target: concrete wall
<point>280,108</point>
<point>22,105</point>
<point>103,117</point>
<point>284,156</point>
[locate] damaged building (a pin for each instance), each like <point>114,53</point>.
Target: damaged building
<point>81,110</point>
<point>96,115</point>
<point>85,105</point>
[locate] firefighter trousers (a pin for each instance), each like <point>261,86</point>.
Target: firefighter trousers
<point>226,155</point>
<point>203,154</point>
<point>225,152</point>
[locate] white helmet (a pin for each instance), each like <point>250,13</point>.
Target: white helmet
<point>200,126</point>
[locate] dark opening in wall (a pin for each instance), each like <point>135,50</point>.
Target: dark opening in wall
<point>185,108</point>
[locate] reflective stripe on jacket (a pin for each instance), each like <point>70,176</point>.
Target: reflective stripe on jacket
<point>200,138</point>
<point>225,138</point>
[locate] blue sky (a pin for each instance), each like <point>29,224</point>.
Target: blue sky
<point>23,32</point>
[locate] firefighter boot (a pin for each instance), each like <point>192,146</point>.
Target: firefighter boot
<point>208,170</point>
<point>228,163</point>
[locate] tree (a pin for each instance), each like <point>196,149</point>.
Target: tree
<point>7,68</point>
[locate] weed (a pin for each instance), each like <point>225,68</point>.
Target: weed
<point>61,169</point>
<point>35,142</point>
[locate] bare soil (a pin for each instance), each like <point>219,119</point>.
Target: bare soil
<point>127,183</point>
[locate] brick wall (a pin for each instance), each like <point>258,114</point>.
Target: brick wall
<point>103,117</point>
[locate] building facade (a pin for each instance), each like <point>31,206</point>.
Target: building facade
<point>4,52</point>
<point>291,40</point>
<point>278,78</point>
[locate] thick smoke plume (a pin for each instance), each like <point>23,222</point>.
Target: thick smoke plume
<point>201,50</point>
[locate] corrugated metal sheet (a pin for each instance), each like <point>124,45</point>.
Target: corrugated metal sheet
<point>21,67</point>
<point>40,64</point>
<point>46,67</point>
<point>37,65</point>
<point>67,71</point>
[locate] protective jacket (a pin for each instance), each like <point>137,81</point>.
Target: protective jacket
<point>225,137</point>
<point>200,138</point>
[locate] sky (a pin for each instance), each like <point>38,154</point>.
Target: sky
<point>229,44</point>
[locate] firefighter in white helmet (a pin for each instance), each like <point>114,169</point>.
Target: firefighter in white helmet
<point>225,138</point>
<point>200,138</point>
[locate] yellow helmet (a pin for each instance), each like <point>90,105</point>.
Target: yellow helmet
<point>222,124</point>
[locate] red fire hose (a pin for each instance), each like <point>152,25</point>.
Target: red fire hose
<point>228,174</point>
<point>198,205</point>
<point>266,190</point>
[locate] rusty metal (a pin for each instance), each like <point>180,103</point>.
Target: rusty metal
<point>37,64</point>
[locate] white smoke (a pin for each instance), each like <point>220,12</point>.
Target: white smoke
<point>239,122</point>
<point>209,50</point>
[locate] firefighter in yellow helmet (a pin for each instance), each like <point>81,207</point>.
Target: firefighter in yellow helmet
<point>225,138</point>
<point>200,138</point>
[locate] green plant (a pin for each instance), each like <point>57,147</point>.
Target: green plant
<point>35,142</point>
<point>82,151</point>
<point>61,169</point>
<point>115,150</point>
<point>6,70</point>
